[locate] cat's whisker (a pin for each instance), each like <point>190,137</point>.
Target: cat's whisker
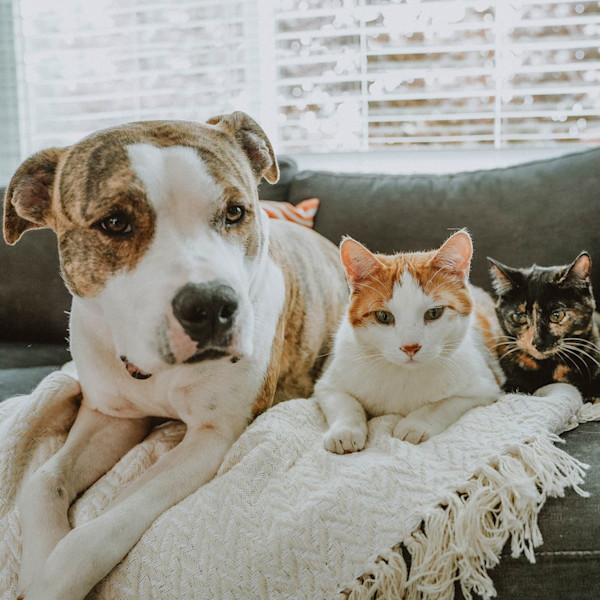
<point>426,288</point>
<point>378,281</point>
<point>452,362</point>
<point>504,337</point>
<point>509,343</point>
<point>505,343</point>
<point>511,351</point>
<point>442,284</point>
<point>565,356</point>
<point>581,345</point>
<point>380,292</point>
<point>371,307</point>
<point>369,366</point>
<point>582,342</point>
<point>576,350</point>
<point>451,365</point>
<point>585,364</point>
<point>366,358</point>
<point>582,354</point>
<point>449,360</point>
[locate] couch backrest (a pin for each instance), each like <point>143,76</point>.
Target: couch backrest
<point>544,212</point>
<point>33,298</point>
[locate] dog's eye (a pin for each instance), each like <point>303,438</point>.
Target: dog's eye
<point>235,213</point>
<point>116,224</point>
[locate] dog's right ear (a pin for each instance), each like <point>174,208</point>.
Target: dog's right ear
<point>27,204</point>
<point>253,141</point>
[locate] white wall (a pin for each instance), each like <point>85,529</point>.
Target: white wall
<point>429,160</point>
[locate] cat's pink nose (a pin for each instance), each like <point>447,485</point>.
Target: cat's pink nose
<point>411,349</point>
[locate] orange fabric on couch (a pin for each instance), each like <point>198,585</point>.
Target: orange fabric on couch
<point>302,213</point>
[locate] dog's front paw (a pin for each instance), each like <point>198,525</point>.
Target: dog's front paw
<point>414,430</point>
<point>342,439</point>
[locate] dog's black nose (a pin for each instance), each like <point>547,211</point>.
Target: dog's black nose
<point>206,310</point>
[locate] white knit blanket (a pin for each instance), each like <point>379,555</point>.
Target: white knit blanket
<point>284,518</point>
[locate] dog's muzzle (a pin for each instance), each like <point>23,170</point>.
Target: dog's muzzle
<point>207,311</point>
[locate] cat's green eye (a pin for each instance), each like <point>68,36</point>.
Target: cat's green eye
<point>520,318</point>
<point>556,316</point>
<point>384,317</point>
<point>434,313</point>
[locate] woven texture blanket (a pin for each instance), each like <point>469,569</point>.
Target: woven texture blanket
<point>284,518</point>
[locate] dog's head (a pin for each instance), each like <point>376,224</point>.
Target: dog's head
<point>159,228</point>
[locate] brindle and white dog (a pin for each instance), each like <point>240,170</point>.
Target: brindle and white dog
<point>187,304</point>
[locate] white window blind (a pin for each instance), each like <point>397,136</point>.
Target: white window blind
<point>374,74</point>
<point>88,65</point>
<point>320,75</point>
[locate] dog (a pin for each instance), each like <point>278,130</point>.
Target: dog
<point>187,304</point>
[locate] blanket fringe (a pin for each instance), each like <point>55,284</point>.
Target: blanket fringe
<point>462,539</point>
<point>589,412</point>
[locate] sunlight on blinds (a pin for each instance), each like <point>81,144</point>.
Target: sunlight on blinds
<point>88,65</point>
<point>362,75</point>
<point>320,75</point>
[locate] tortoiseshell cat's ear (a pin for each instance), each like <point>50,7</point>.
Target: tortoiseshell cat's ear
<point>503,277</point>
<point>578,271</point>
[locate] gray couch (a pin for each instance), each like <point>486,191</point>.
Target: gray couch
<point>544,212</point>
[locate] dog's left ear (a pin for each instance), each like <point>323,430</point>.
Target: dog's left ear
<point>254,142</point>
<point>28,200</point>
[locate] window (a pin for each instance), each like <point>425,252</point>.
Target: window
<point>454,72</point>
<point>319,75</point>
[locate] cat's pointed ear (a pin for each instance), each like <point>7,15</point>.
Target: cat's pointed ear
<point>578,270</point>
<point>455,254</point>
<point>359,263</point>
<point>502,277</point>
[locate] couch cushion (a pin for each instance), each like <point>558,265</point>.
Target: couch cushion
<point>14,355</point>
<point>567,563</point>
<point>279,191</point>
<point>14,382</point>
<point>33,297</point>
<point>545,211</point>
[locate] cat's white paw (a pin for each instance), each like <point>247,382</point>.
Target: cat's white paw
<point>414,430</point>
<point>556,388</point>
<point>342,439</point>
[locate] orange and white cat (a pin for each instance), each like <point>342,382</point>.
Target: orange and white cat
<point>413,343</point>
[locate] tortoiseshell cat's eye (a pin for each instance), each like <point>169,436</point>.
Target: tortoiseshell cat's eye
<point>520,318</point>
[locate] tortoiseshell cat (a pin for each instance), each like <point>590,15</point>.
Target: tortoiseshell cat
<point>551,328</point>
